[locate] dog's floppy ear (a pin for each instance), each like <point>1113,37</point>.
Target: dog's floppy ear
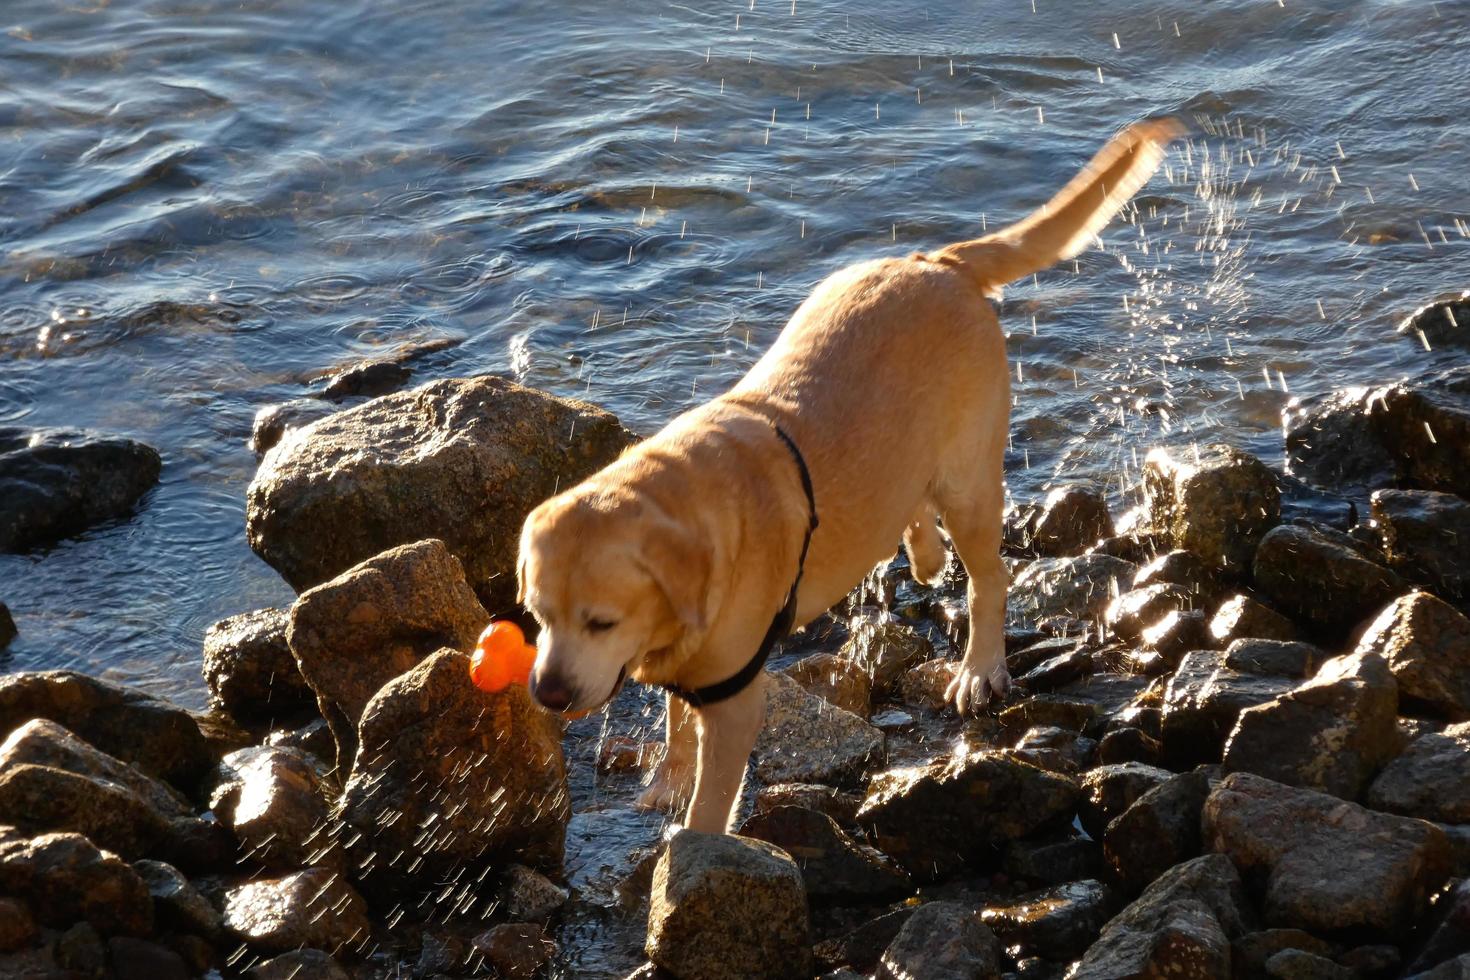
<point>679,562</point>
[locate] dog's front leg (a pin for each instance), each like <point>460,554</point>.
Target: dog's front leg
<point>673,780</point>
<point>727,733</point>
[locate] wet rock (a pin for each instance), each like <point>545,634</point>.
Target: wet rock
<point>839,805</point>
<point>8,631</point>
<point>808,740</point>
<point>299,965</point>
<point>1180,926</point>
<point>1078,587</point>
<point>38,799</point>
<point>274,422</point>
<point>885,648</point>
<point>932,818</point>
<point>1071,519</point>
<point>352,635</point>
<point>1138,609</point>
<point>941,941</point>
<point>17,927</point>
<point>157,737</point>
<point>1320,580</point>
<point>832,864</point>
<point>1331,734</point>
<point>138,959</point>
<point>1406,435</point>
<point>461,460</point>
<point>45,743</point>
<point>1329,865</point>
<point>1241,617</point>
<point>1430,780</point>
<point>313,738</point>
<point>529,896</point>
<point>835,679</point>
<point>249,668</point>
<point>1128,744</point>
<point>1378,961</point>
<point>55,483</point>
<point>1217,503</point>
<point>1159,830</point>
<point>81,951</point>
<point>1426,536</point>
<point>1442,322</point>
<point>66,879</point>
<point>177,904</point>
<point>1049,710</point>
<point>274,803</point>
<point>472,778</point>
<point>515,950</point>
<point>1450,935</point>
<point>1110,789</point>
<point>1275,658</point>
<point>1058,749</point>
<point>1051,859</point>
<point>1298,964</point>
<point>1060,922</point>
<point>924,686</point>
<point>1455,969</point>
<point>1427,645</point>
<point>315,907</point>
<point>728,907</point>
<point>1170,638</point>
<point>1057,672</point>
<point>1251,951</point>
<point>1182,568</point>
<point>1202,703</point>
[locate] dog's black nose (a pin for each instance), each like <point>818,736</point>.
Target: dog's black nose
<point>551,691</point>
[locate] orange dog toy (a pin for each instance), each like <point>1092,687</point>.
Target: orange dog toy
<point>501,658</point>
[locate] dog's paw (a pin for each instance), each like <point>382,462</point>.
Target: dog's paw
<point>668,791</point>
<point>973,687</point>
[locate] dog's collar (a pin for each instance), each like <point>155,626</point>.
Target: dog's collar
<point>781,625</point>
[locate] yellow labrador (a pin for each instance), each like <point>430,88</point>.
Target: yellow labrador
<point>883,405</point>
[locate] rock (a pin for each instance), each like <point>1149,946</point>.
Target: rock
<point>1217,504</point>
<point>941,941</point>
<point>835,679</point>
<point>1053,860</point>
<point>176,903</point>
<point>515,950</point>
<point>1459,837</point>
<point>885,648</point>
<point>725,906</point>
<point>274,422</point>
<point>1331,734</point>
<point>891,720</point>
<point>1427,645</point>
<point>1203,702</point>
<point>832,864</point>
<point>1322,581</point>
<point>1060,922</point>
<point>55,483</point>
<point>315,907</point>
<point>932,818</point>
<point>17,927</point>
<point>472,778</point>
<point>1241,617</point>
<point>1138,609</point>
<point>299,964</point>
<point>1180,926</point>
<point>1373,961</point>
<point>1298,964</point>
<point>839,805</point>
<point>274,803</point>
<point>1070,520</point>
<point>862,947</point>
<point>157,737</point>
<point>81,952</point>
<point>1430,780</point>
<point>1455,969</point>
<point>529,896</point>
<point>460,460</point>
<point>1274,658</point>
<point>1405,435</point>
<point>313,738</point>
<point>1425,536</point>
<point>1057,672</point>
<point>1050,710</point>
<point>924,686</point>
<point>45,743</point>
<point>1443,321</point>
<point>249,668</point>
<point>1058,749</point>
<point>1449,932</point>
<point>65,879</point>
<point>352,635</point>
<point>1182,568</point>
<point>1078,587</point>
<point>1129,744</point>
<point>138,959</point>
<point>1159,830</point>
<point>808,740</point>
<point>1108,790</point>
<point>38,799</point>
<point>1251,951</point>
<point>8,631</point>
<point>1329,865</point>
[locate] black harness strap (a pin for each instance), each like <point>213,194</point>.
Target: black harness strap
<point>780,625</point>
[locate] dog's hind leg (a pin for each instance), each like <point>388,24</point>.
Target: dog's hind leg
<point>925,547</point>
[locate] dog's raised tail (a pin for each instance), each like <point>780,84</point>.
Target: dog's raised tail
<point>1064,226</point>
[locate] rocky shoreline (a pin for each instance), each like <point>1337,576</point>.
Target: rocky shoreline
<point>1239,746</point>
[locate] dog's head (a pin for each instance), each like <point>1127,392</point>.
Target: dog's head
<point>610,577</point>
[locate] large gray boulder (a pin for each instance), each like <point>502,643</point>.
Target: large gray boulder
<point>807,739</point>
<point>1426,642</point>
<point>352,635</point>
<point>58,482</point>
<point>724,907</point>
<point>461,460</point>
<point>1214,501</point>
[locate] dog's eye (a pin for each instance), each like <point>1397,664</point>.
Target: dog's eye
<point>599,625</point>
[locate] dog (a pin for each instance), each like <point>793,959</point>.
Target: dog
<point>881,409</point>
